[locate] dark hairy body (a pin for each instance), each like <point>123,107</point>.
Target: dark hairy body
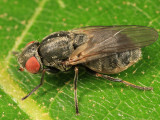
<point>58,50</point>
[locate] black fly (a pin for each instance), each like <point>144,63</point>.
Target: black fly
<point>103,49</point>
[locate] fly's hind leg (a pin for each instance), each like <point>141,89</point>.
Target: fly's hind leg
<point>122,81</point>
<point>117,80</point>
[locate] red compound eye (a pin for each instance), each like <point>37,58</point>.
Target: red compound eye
<point>30,42</point>
<point>32,65</point>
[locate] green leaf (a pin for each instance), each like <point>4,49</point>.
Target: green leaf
<point>23,21</point>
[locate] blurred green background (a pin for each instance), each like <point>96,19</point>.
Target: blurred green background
<point>22,21</point>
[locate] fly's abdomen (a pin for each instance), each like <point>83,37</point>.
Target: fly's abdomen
<point>115,63</point>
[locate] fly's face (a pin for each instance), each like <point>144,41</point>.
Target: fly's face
<point>29,59</point>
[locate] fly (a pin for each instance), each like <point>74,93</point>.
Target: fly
<point>102,49</point>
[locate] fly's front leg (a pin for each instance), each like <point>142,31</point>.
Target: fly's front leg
<point>122,81</point>
<point>41,83</point>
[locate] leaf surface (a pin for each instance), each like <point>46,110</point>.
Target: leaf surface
<point>23,21</point>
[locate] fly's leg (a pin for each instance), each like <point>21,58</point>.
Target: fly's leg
<point>122,81</point>
<point>41,83</point>
<point>75,89</point>
<point>75,86</point>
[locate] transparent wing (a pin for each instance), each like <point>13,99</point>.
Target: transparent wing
<point>106,40</point>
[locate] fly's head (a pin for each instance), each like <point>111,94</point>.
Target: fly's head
<point>29,58</point>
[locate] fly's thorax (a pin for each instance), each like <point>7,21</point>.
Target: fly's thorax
<point>29,57</point>
<point>56,48</point>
